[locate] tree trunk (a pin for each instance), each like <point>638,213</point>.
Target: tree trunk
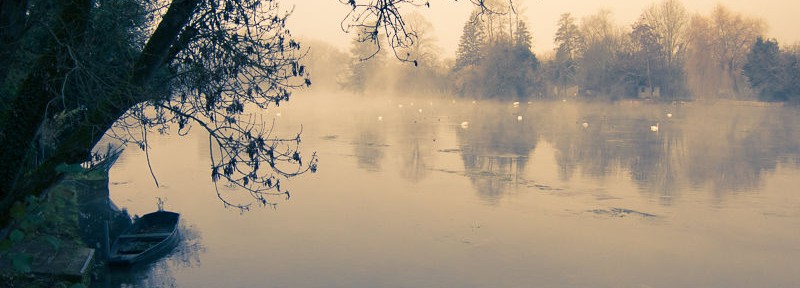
<point>734,80</point>
<point>158,47</point>
<point>28,108</point>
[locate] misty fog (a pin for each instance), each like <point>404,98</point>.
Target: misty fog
<point>660,151</point>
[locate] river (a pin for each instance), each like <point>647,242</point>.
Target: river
<point>447,192</point>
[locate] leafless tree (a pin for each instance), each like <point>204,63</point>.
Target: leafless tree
<point>370,19</point>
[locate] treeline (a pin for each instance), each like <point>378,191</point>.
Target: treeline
<point>494,60</point>
<point>666,53</point>
<point>774,73</point>
<point>372,64</point>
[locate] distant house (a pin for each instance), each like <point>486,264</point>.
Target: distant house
<point>568,91</point>
<point>649,92</point>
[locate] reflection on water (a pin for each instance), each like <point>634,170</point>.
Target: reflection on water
<point>416,143</point>
<point>368,147</point>
<point>494,148</point>
<point>185,255</point>
<point>725,147</point>
<point>444,192</point>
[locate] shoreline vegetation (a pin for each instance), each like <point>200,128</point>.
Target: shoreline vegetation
<point>669,54</point>
<point>68,217</point>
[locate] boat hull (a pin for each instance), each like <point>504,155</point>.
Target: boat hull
<point>148,238</point>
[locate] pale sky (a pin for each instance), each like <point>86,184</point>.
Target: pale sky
<point>320,19</point>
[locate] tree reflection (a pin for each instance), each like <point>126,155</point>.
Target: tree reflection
<point>664,149</point>
<point>495,147</point>
<point>657,161</point>
<point>737,152</point>
<point>369,145</point>
<point>727,146</point>
<point>417,135</point>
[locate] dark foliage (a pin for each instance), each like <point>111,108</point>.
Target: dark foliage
<point>773,73</point>
<point>124,68</point>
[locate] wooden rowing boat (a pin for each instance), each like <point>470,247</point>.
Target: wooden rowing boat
<point>150,236</point>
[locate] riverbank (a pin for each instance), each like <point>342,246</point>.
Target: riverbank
<point>58,239</point>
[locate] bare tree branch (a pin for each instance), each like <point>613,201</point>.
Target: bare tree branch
<point>377,19</point>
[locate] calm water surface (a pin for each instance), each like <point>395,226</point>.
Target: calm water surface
<point>443,192</point>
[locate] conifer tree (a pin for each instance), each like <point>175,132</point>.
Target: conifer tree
<point>470,46</point>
